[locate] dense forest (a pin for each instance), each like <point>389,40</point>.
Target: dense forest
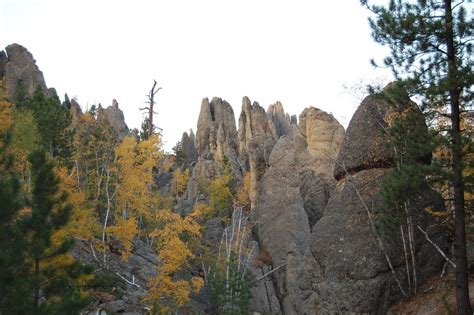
<point>277,214</point>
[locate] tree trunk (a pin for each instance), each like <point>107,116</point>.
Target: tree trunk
<point>462,283</point>
<point>37,286</point>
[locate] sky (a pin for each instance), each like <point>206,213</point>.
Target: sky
<point>300,52</point>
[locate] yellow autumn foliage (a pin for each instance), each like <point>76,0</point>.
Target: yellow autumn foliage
<point>80,226</point>
<point>202,211</point>
<point>181,180</point>
<point>242,197</point>
<point>125,231</point>
<point>172,236</point>
<point>220,194</point>
<point>135,161</point>
<point>83,223</point>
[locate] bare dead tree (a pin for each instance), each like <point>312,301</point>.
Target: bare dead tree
<point>150,108</point>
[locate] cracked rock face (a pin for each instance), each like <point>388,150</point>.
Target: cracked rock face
<point>291,198</point>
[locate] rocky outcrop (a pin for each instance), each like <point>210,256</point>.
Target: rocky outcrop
<point>188,145</point>
<point>121,287</point>
<point>216,139</point>
<point>254,130</point>
<point>365,145</point>
<point>257,137</point>
<point>216,133</point>
<point>347,269</point>
<point>20,69</point>
<point>324,137</point>
<point>280,210</point>
<point>291,198</point>
<point>114,115</point>
<point>281,122</point>
<point>264,300</point>
<point>202,172</point>
<point>344,269</point>
<point>76,111</point>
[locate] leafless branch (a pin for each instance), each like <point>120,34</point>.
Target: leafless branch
<point>128,281</point>
<point>436,246</point>
<point>269,273</point>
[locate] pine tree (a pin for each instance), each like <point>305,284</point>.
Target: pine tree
<point>14,282</point>
<point>179,153</point>
<point>431,55</point>
<point>53,289</point>
<point>53,121</point>
<point>145,131</point>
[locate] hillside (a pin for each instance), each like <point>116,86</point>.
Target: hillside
<point>277,214</point>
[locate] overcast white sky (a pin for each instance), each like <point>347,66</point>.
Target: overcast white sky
<point>298,52</point>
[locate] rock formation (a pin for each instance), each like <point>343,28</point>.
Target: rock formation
<point>324,137</point>
<point>75,110</point>
<point>344,269</point>
<point>140,266</point>
<point>282,122</point>
<point>365,145</point>
<point>257,135</point>
<point>216,133</point>
<point>188,146</point>
<point>115,117</point>
<point>19,68</point>
<point>312,187</point>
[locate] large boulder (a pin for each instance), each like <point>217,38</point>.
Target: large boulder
<point>324,136</point>
<point>21,69</point>
<point>365,144</point>
<point>346,268</point>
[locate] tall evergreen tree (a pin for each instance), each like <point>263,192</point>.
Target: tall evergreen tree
<point>53,289</point>
<point>431,54</point>
<point>53,121</point>
<point>14,282</point>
